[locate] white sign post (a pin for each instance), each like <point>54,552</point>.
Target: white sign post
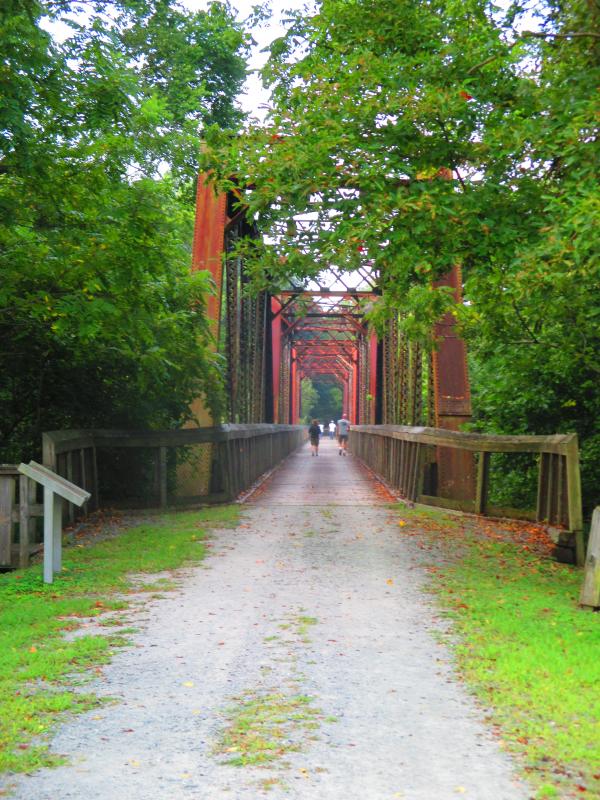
<point>56,489</point>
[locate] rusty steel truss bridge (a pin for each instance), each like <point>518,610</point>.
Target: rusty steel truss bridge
<point>270,342</point>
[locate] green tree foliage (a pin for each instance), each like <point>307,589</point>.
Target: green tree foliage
<point>308,399</point>
<point>419,135</point>
<point>328,405</point>
<point>320,400</point>
<point>100,119</point>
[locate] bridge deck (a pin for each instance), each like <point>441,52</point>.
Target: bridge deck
<point>327,479</point>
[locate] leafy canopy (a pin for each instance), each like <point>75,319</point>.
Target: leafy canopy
<point>102,109</point>
<point>411,136</point>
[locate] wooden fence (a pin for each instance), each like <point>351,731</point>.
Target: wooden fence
<point>121,468</point>
<point>189,465</point>
<point>18,513</point>
<point>402,456</point>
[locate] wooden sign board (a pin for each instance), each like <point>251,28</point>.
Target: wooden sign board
<point>56,489</point>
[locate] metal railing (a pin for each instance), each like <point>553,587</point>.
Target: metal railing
<point>123,468</point>
<point>403,457</point>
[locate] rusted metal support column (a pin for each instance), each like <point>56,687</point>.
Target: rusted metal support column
<point>276,357</point>
<point>456,468</point>
<point>207,254</point>
<point>294,390</point>
<point>372,377</point>
<point>209,242</point>
<point>352,413</point>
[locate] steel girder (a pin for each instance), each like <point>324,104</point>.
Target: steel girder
<point>271,342</point>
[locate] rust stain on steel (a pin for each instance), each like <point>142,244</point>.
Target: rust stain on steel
<point>209,240</point>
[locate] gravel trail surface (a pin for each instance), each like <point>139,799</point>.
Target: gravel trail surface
<point>314,600</point>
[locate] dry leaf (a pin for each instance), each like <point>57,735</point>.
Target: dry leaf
<point>188,683</point>
<point>389,581</point>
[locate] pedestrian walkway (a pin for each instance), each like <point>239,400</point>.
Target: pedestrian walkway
<point>328,479</point>
<point>312,614</point>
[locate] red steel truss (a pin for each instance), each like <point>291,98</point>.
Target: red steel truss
<point>272,342</point>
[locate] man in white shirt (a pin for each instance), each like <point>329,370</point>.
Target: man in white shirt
<point>332,427</point>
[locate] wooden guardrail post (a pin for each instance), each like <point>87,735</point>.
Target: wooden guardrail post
<point>590,591</point>
<point>574,499</point>
<point>483,480</point>
<point>162,475</point>
<point>26,520</point>
<point>7,502</point>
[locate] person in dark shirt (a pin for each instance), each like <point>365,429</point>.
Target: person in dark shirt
<point>314,433</point>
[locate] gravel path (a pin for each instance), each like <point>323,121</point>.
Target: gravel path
<point>314,595</point>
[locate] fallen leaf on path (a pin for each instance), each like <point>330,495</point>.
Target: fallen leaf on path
<point>389,581</point>
<point>189,684</point>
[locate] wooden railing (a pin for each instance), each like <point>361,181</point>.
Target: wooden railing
<point>590,591</point>
<point>160,468</point>
<point>402,455</point>
<point>121,468</point>
<point>18,513</point>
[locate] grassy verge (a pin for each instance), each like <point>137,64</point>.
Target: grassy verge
<point>38,665</point>
<point>275,719</point>
<point>265,726</point>
<point>525,648</point>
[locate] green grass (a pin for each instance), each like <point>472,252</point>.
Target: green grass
<point>303,623</point>
<point>526,649</point>
<point>265,727</point>
<point>38,665</point>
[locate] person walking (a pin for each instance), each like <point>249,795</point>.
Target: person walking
<point>343,429</point>
<point>314,433</point>
<point>331,427</point>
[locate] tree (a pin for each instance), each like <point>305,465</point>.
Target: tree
<point>101,322</point>
<point>413,136</point>
<point>329,400</point>
<point>308,399</point>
